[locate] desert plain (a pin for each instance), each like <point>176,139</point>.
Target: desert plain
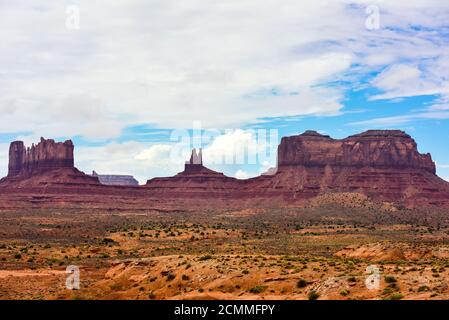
<point>321,251</point>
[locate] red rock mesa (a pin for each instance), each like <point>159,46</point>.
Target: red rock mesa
<point>115,179</point>
<point>45,156</point>
<point>45,163</point>
<point>383,164</point>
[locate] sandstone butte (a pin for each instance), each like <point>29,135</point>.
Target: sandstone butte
<point>384,165</point>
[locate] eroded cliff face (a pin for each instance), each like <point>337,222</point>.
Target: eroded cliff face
<point>47,155</point>
<point>46,163</point>
<point>382,164</point>
<point>375,149</point>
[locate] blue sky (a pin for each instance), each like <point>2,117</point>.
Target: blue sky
<point>119,78</point>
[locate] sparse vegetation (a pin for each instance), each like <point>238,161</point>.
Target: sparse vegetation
<point>302,283</point>
<point>313,295</point>
<point>390,279</point>
<point>423,288</point>
<point>344,292</point>
<point>258,289</point>
<point>152,257</point>
<point>171,276</point>
<point>395,296</point>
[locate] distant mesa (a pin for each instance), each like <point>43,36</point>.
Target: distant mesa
<point>270,172</point>
<point>115,179</point>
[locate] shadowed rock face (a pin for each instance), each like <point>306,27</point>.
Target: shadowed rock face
<point>375,148</point>
<point>17,155</point>
<point>47,155</point>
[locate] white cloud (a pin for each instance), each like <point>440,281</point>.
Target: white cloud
<point>397,76</point>
<point>443,166</point>
<point>400,80</point>
<point>155,152</point>
<point>167,64</point>
<point>267,167</point>
<point>403,119</point>
<point>233,147</point>
<point>240,174</point>
<point>242,147</point>
<point>4,149</point>
<point>190,61</point>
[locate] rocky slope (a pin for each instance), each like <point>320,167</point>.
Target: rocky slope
<point>195,180</point>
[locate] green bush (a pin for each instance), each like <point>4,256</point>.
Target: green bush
<point>258,289</point>
<point>387,291</point>
<point>152,296</point>
<point>171,277</point>
<point>108,240</point>
<point>395,296</point>
<point>313,295</point>
<point>302,283</point>
<point>344,293</point>
<point>390,279</point>
<point>423,288</point>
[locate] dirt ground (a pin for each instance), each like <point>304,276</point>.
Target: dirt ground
<point>320,252</point>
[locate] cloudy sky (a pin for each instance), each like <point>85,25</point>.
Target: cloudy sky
<point>124,78</point>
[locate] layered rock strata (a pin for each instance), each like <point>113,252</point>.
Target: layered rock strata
<point>47,162</point>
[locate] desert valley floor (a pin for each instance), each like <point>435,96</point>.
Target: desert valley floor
<point>321,251</point>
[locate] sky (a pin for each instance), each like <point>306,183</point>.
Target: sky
<point>137,83</point>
